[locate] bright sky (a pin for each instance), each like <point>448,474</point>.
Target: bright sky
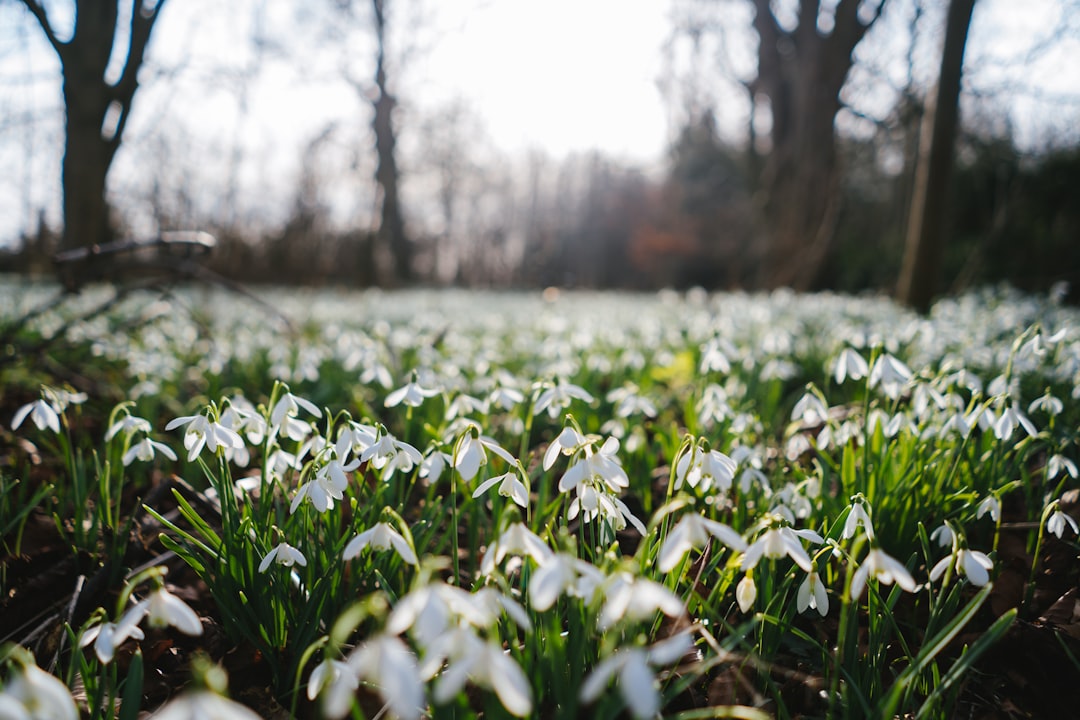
<point>557,75</point>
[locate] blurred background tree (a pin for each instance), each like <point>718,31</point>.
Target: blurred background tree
<point>794,136</point>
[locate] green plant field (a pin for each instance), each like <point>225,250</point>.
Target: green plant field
<point>334,504</point>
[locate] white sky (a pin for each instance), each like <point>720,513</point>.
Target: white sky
<point>561,76</point>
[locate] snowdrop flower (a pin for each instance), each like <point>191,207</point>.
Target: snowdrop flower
<point>858,516</point>
<point>714,356</point>
<point>693,531</point>
<point>411,394</point>
<point>1009,419</point>
<point>471,453</point>
<point>628,402</point>
<point>601,466</point>
<point>812,595</point>
<point>128,424</point>
<point>381,536</point>
<point>41,412</point>
<point>428,611</point>
<point>891,374</point>
<point>632,598</point>
<point>563,574</point>
<point>1049,404</point>
<point>746,593</point>
<point>386,662</point>
<point>463,405</point>
<point>506,398</point>
<point>471,659</point>
<point>289,405</point>
<point>321,491</point>
<point>516,540</point>
<point>1059,463</point>
<point>777,542</point>
<point>283,554</point>
<point>509,486</point>
<point>33,694</point>
<point>973,565</point>
<point>203,432</point>
<point>1056,523</point>
<point>162,609</point>
<point>810,409</point>
<point>433,465</point>
<point>144,450</point>
<point>943,536</point>
<point>990,504</point>
<point>632,667</point>
<point>567,442</point>
<point>706,468</point>
<point>850,364</point>
<point>204,705</point>
<point>336,681</point>
<point>109,636</point>
<point>558,397</point>
<point>885,568</point>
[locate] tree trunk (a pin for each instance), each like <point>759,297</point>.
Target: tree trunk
<point>920,273</point>
<point>96,110</point>
<point>391,233</point>
<point>801,72</point>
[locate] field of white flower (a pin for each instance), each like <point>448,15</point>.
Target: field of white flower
<point>450,504</point>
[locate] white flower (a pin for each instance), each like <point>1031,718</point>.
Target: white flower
<point>412,394</point>
<point>381,536</point>
<point>891,374</point>
<point>857,516</point>
<point>885,568</point>
<point>509,486</point>
<point>693,531</point>
<point>850,364</point>
<point>109,636</point>
<point>471,453</point>
<point>973,565</point>
<point>811,594</point>
<point>810,410</point>
<point>567,443</point>
<point>204,705</point>
<point>990,504</point>
<point>391,666</point>
<point>746,593</point>
<point>943,536</point>
<point>563,574</point>
<point>336,681</point>
<point>202,432</point>
<point>705,468</point>
<point>463,405</point>
<point>162,609</point>
<point>635,599</point>
<point>777,542</point>
<point>432,466</point>
<point>558,396</point>
<point>144,450</point>
<point>484,664</point>
<point>41,412</point>
<point>283,554</point>
<point>1059,463</point>
<point>631,666</point>
<point>34,694</point>
<point>516,540</point>
<point>128,424</point>
<point>1009,419</point>
<point>603,466</point>
<point>1049,404</point>
<point>1056,523</point>
<point>289,405</point>
<point>505,397</point>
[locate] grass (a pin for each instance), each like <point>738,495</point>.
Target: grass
<point>466,505</point>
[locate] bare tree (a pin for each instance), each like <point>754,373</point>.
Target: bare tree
<point>922,255</point>
<point>97,106</point>
<point>802,66</point>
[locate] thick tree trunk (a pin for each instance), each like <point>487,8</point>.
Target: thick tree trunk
<point>96,110</point>
<point>801,72</point>
<point>920,273</point>
<point>391,233</point>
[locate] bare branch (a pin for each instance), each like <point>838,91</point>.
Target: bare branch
<point>38,11</point>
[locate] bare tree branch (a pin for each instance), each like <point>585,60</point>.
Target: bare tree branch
<point>38,11</point>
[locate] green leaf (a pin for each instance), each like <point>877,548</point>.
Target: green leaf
<point>131,701</point>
